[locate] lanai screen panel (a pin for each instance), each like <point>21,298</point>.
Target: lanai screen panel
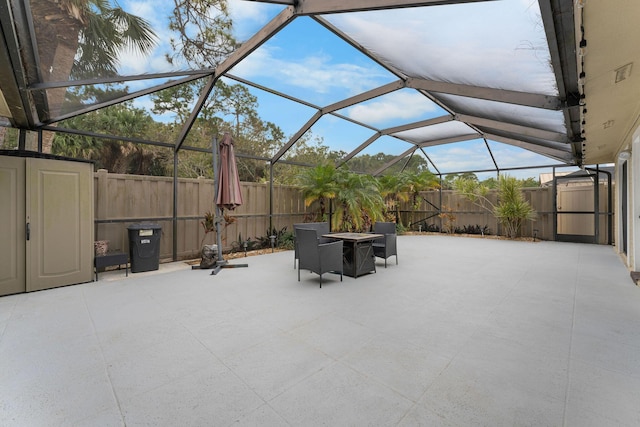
<point>538,118</point>
<point>393,109</point>
<point>296,62</point>
<point>495,44</point>
<point>508,156</point>
<point>438,134</point>
<point>461,157</point>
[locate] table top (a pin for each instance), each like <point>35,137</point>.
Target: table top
<point>353,237</point>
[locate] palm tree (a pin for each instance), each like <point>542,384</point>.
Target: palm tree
<point>358,202</point>
<point>82,38</point>
<point>420,181</point>
<point>394,189</point>
<point>319,184</point>
<point>405,186</point>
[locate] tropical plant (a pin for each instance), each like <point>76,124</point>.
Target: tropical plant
<point>358,202</point>
<point>319,184</point>
<point>281,239</point>
<point>393,190</point>
<point>511,210</point>
<point>405,186</point>
<point>448,219</point>
<point>208,225</point>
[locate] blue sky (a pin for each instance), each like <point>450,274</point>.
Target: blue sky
<point>460,44</point>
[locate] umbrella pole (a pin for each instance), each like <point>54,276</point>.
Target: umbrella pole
<point>221,262</point>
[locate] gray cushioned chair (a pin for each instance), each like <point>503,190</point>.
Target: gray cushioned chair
<point>384,247</point>
<point>318,257</point>
<point>320,227</point>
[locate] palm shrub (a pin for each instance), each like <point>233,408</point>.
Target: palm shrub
<point>511,210</point>
<point>357,199</point>
<point>405,186</point>
<point>319,184</point>
<point>358,202</point>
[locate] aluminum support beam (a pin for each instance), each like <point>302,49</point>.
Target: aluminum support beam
<point>513,128</point>
<point>265,33</point>
<point>564,156</point>
<point>311,7</point>
<point>418,125</point>
<point>297,136</point>
<point>394,161</point>
<point>13,74</point>
<point>119,79</point>
<point>204,94</point>
<point>121,99</point>
<point>451,140</point>
<point>365,96</point>
<point>500,95</point>
<point>257,40</point>
<point>559,25</point>
<point>360,147</point>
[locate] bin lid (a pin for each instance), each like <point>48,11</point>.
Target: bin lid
<point>144,226</point>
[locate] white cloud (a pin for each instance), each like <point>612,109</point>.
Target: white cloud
<point>314,72</point>
<point>248,17</point>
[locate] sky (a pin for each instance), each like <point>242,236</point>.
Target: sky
<point>495,44</point>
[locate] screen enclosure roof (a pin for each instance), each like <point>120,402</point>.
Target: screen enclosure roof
<point>473,85</point>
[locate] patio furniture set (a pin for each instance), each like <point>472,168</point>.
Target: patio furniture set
<point>320,251</point>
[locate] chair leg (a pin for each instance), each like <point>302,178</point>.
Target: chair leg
<point>385,263</point>
<point>320,280</point>
<point>396,259</point>
<point>298,272</point>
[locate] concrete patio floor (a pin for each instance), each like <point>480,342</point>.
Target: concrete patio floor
<point>463,331</point>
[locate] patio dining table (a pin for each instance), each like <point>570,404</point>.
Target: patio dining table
<point>357,252</point>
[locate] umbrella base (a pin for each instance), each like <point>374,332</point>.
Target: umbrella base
<point>223,264</point>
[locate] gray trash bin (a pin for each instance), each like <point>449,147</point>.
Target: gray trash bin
<point>144,247</point>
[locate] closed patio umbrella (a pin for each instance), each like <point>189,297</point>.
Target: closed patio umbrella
<point>228,194</point>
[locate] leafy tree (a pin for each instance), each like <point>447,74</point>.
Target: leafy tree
<point>530,183</point>
<point>115,156</point>
<point>203,32</point>
<point>449,180</point>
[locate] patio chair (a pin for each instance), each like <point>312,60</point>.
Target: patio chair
<point>318,257</point>
<point>320,228</point>
<point>384,247</point>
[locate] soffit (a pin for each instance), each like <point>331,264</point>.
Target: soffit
<point>612,32</point>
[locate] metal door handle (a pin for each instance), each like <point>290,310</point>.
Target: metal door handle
<point>28,231</point>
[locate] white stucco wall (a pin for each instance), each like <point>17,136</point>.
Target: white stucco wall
<point>633,194</point>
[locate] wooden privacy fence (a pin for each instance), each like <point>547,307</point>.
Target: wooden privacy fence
<point>460,212</point>
<point>122,200</point>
